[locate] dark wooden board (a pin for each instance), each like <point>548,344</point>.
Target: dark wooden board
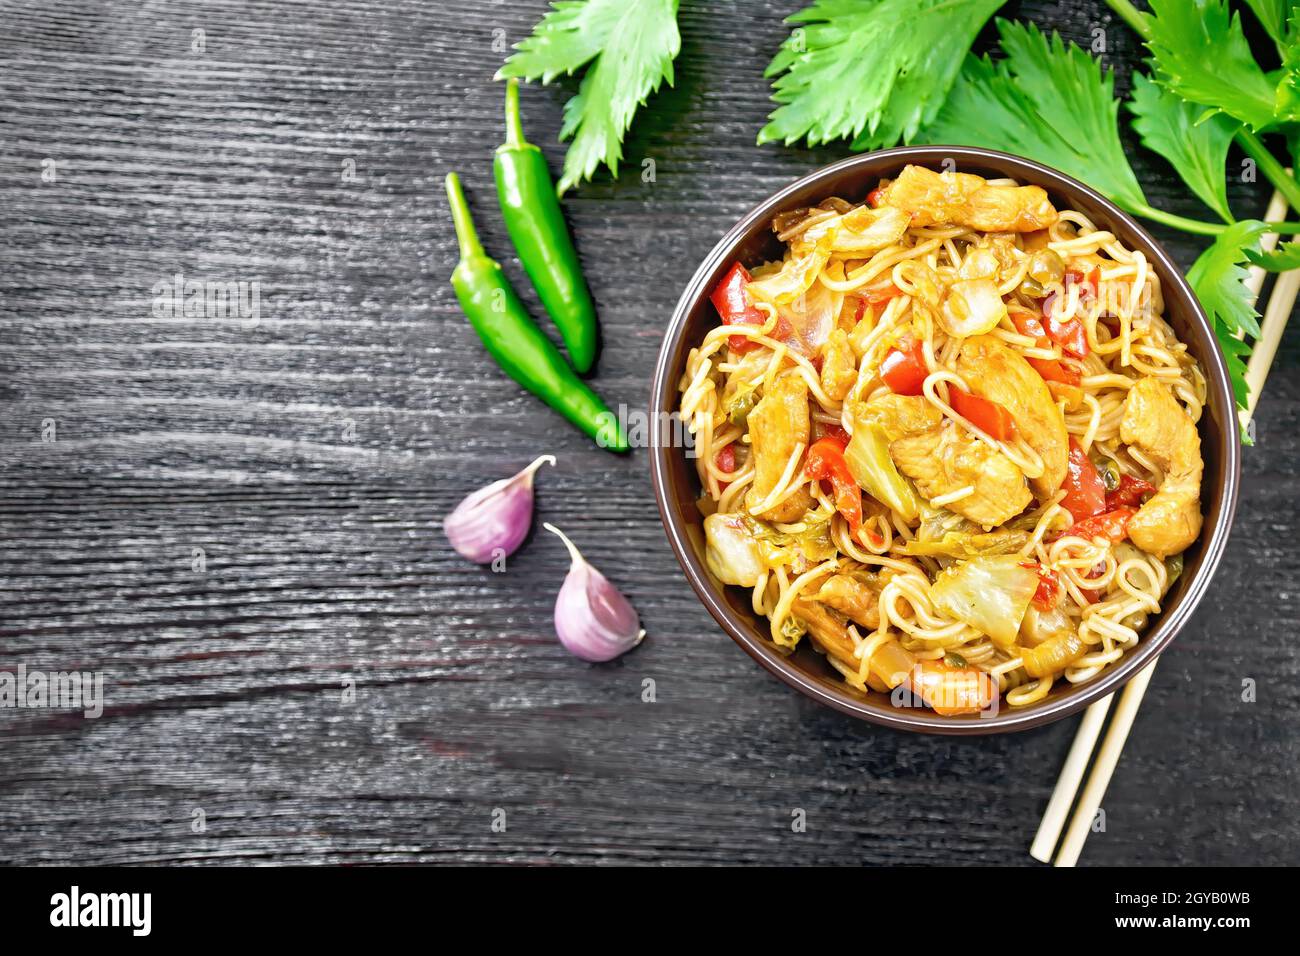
<point>312,456</point>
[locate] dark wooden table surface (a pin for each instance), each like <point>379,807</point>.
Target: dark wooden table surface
<point>311,455</point>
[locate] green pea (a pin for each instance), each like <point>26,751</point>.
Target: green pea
<point>1137,620</point>
<point>738,414</point>
<point>1174,567</point>
<point>1032,288</point>
<point>1109,472</point>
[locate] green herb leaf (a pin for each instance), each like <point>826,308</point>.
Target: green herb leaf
<point>630,45</point>
<point>1273,14</point>
<point>1217,276</point>
<point>1235,352</point>
<point>1282,259</point>
<point>1201,53</point>
<point>871,70</point>
<point>1048,101</point>
<point>1218,279</point>
<point>1288,88</point>
<point>1168,125</point>
<point>1292,135</point>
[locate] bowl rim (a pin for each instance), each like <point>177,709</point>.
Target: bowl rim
<point>664,390</point>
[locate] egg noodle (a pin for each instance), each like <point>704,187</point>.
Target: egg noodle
<point>1107,589</point>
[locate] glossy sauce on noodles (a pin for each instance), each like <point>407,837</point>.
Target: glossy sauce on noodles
<point>949,439</point>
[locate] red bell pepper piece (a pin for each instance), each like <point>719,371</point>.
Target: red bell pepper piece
<point>1089,283</point>
<point>881,293</point>
<point>1027,323</point>
<point>733,305</point>
<point>1054,371</point>
<point>859,310</point>
<point>1070,335</point>
<point>1049,586</point>
<point>1129,492</point>
<point>1092,595</point>
<point>876,197</point>
<point>725,459</point>
<point>1092,281</point>
<point>1111,524</point>
<point>840,437</point>
<point>1085,494</point>
<point>825,460</point>
<point>990,417</point>
<point>836,432</point>
<point>903,368</point>
<point>1051,370</point>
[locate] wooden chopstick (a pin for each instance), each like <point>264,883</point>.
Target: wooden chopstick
<point>1281,302</point>
<point>1130,699</point>
<point>1058,808</point>
<point>1276,314</point>
<point>1276,212</point>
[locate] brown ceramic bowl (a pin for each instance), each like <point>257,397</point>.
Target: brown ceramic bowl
<point>676,487</point>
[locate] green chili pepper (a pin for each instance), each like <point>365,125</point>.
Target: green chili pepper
<point>514,340</point>
<point>532,215</point>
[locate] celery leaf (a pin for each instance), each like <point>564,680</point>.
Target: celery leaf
<point>1201,54</point>
<point>1047,100</point>
<point>630,46</point>
<point>1218,279</point>
<point>869,70</point>
<point>1198,152</point>
<point>1282,259</point>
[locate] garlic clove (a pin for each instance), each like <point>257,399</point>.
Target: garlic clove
<point>492,522</point>
<point>592,618</point>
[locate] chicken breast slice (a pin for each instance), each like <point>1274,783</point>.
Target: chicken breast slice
<point>839,365</point>
<point>995,371</point>
<point>945,459</point>
<point>851,598</point>
<point>778,423</point>
<point>967,200</point>
<point>890,664</point>
<point>918,433</point>
<point>828,631</point>
<point>1161,429</point>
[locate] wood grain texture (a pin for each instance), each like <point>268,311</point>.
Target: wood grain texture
<point>312,455</point>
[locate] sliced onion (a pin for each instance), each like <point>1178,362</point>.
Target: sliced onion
<point>810,319</point>
<point>1039,627</point>
<point>867,230</point>
<point>979,264</point>
<point>732,553</point>
<point>795,277</point>
<point>1053,655</point>
<point>972,307</point>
